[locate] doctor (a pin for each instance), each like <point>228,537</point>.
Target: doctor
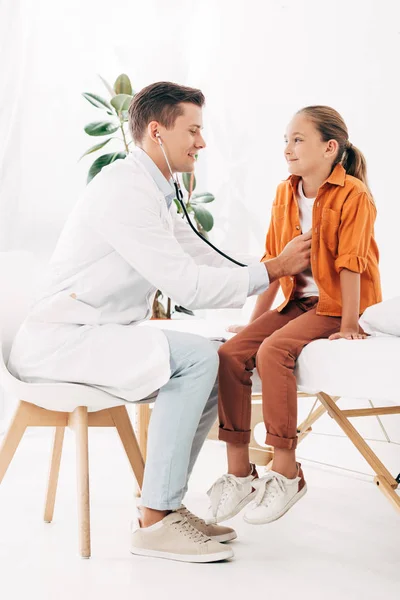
<point>122,242</point>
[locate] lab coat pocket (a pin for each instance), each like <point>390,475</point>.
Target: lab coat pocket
<point>65,307</point>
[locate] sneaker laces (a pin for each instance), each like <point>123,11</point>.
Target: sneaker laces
<point>187,529</point>
<point>268,488</point>
<point>185,512</point>
<point>222,488</point>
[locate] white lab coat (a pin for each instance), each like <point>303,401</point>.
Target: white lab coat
<point>119,245</point>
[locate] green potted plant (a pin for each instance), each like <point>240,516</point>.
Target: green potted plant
<point>114,127</point>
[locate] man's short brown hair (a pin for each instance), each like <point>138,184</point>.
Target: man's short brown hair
<point>160,102</point>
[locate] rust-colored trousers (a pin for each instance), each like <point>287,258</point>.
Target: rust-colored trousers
<point>272,343</point>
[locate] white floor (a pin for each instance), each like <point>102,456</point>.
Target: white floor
<point>341,541</point>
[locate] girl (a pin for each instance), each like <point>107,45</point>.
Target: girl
<point>328,193</point>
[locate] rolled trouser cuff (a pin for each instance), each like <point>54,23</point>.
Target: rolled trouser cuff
<point>234,437</point>
<point>281,442</point>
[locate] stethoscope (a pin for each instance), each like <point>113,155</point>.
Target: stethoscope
<point>179,196</point>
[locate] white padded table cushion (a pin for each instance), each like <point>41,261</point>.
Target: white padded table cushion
<point>365,369</point>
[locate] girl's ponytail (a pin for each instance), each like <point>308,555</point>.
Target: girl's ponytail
<point>354,163</point>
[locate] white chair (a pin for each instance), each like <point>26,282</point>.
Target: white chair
<point>78,406</point>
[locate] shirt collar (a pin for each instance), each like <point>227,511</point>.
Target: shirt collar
<point>337,177</point>
<point>165,186</point>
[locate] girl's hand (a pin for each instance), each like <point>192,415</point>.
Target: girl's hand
<point>235,328</point>
<point>348,334</point>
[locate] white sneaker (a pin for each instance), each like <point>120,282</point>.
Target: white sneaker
<point>218,533</point>
<point>276,494</point>
<point>175,538</point>
<point>229,495</point>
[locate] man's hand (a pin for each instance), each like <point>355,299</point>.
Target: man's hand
<point>293,259</point>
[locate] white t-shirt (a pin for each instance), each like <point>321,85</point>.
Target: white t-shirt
<point>305,284</point>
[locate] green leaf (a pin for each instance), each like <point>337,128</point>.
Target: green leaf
<point>97,101</point>
<point>202,198</point>
<point>178,206</point>
<point>204,217</point>
<point>202,231</point>
<point>96,147</point>
<point>186,181</point>
<point>121,102</point>
<point>102,161</point>
<point>123,85</point>
<point>107,86</point>
<point>101,128</point>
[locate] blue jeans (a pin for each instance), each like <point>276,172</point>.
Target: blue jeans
<point>184,411</point>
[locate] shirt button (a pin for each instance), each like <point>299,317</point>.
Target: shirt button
<point>297,227</point>
<point>314,257</point>
<point>316,230</point>
<point>317,203</point>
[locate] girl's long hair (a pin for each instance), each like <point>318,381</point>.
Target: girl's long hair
<point>331,125</point>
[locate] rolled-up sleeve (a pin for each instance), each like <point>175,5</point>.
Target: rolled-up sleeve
<point>355,233</point>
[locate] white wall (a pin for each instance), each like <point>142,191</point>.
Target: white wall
<point>257,62</point>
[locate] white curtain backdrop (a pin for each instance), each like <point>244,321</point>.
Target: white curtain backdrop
<point>257,62</point>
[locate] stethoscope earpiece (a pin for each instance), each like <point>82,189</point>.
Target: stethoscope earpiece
<point>179,197</point>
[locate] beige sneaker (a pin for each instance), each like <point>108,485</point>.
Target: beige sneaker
<point>218,533</point>
<point>175,538</point>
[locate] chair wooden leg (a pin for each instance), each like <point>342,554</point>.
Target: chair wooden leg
<point>125,430</point>
<point>143,419</point>
<point>79,423</point>
<point>53,475</point>
<point>12,438</point>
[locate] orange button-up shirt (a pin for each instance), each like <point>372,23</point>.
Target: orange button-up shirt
<point>342,238</point>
